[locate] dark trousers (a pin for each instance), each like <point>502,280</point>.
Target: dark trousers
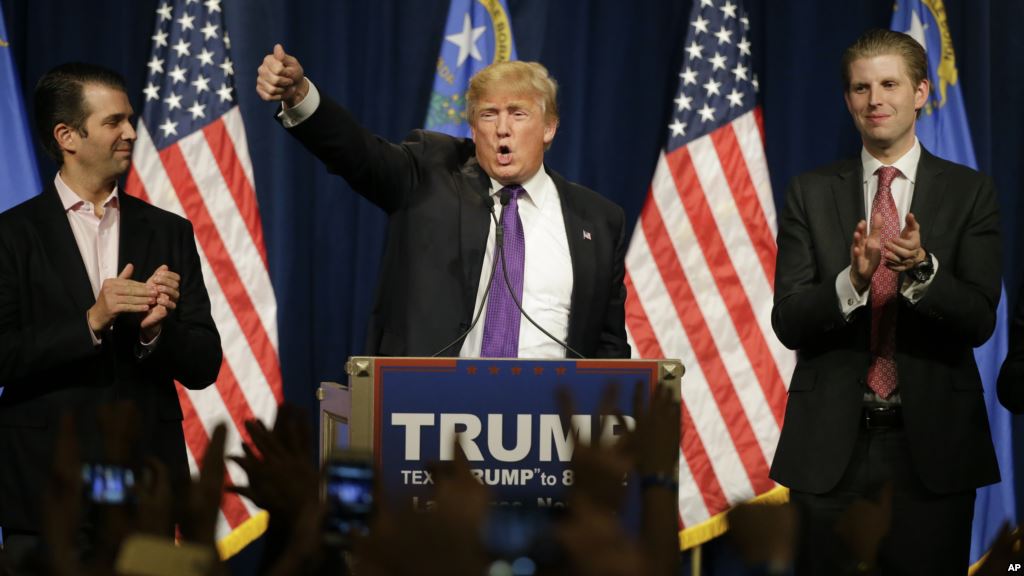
<point>929,533</point>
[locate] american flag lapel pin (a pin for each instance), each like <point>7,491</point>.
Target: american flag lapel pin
<point>586,235</point>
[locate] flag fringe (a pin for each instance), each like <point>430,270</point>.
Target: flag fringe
<point>245,534</point>
<point>717,525</point>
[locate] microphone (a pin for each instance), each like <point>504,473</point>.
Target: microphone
<point>499,234</point>
<point>499,237</point>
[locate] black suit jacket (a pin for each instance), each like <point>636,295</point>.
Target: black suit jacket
<point>943,409</point>
<point>1011,375</point>
<point>436,196</point>
<point>48,363</point>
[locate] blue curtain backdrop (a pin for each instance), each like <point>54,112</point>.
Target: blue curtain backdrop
<point>616,63</point>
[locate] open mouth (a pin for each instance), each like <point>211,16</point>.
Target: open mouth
<point>504,155</point>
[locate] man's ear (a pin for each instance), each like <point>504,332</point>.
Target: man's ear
<point>66,137</point>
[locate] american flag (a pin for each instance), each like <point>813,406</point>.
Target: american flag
<point>700,274</point>
<point>191,158</point>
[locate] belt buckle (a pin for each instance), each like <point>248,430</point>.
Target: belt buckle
<point>879,417</point>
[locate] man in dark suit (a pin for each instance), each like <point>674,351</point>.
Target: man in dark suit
<point>439,192</point>
<point>101,300</point>
<point>888,275</point>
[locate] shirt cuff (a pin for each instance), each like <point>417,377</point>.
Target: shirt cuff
<point>96,340</point>
<point>913,290</point>
<point>849,299</point>
<point>291,117</point>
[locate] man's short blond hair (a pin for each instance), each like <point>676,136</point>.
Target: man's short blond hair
<point>516,77</point>
<point>881,42</point>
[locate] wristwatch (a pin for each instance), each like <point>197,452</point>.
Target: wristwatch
<point>924,270</point>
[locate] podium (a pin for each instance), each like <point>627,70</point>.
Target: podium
<point>409,412</point>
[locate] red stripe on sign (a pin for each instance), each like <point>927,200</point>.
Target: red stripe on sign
<point>226,154</point>
<point>691,194</point>
<point>704,347</point>
<point>759,120</point>
<point>197,440</point>
<point>133,186</point>
<point>223,267</point>
<point>700,464</point>
<point>734,165</point>
<point>639,324</point>
<point>231,393</point>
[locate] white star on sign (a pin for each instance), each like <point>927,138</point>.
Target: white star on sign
<point>735,98</point>
<point>700,24</point>
<point>678,128</point>
<point>740,72</point>
<point>707,113</point>
<point>178,74</point>
<point>198,111</point>
<point>224,92</point>
<point>227,67</point>
<point>213,5</point>
<point>689,76</point>
<point>156,65</point>
<point>712,87</point>
<point>173,101</point>
<point>202,84</point>
<point>466,40</point>
<point>181,48</point>
<point>728,10</point>
<point>683,102</point>
<point>724,36</point>
<point>694,50</point>
<point>209,31</point>
<point>160,38</point>
<point>152,92</point>
<point>164,11</point>
<point>744,47</point>
<point>186,22</point>
<point>205,57</point>
<point>169,128</point>
<point>717,62</point>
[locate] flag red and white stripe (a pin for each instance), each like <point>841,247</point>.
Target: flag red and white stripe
<point>700,274</point>
<point>192,158</point>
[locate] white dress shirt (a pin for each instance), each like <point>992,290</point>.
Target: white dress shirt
<point>902,190</point>
<point>547,272</point>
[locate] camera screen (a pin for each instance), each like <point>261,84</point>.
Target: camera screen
<point>107,484</point>
<point>349,496</point>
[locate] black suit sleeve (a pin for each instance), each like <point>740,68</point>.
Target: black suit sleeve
<point>806,305</point>
<point>1011,376</point>
<point>964,294</point>
<point>189,346</point>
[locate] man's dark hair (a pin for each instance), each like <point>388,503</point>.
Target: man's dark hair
<point>58,99</point>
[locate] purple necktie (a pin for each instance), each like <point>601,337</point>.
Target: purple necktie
<point>501,327</point>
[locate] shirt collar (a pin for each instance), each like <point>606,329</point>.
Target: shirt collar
<point>907,164</point>
<point>70,200</point>
<point>536,187</point>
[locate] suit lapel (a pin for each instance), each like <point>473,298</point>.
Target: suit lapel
<point>474,226</point>
<point>581,252</point>
<point>928,191</point>
<point>133,245</point>
<point>848,191</point>
<point>59,242</point>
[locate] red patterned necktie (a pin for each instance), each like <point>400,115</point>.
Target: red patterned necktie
<point>884,305</point>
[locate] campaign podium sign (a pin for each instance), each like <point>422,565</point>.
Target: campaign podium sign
<point>410,412</point>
